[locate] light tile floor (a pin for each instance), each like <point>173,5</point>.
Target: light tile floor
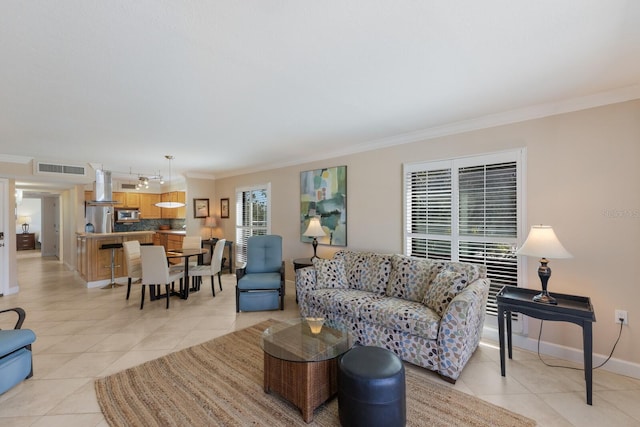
<point>85,333</point>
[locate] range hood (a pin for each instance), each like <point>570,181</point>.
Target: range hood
<point>102,190</point>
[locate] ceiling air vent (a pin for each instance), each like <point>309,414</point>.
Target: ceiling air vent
<point>53,168</point>
<point>128,186</point>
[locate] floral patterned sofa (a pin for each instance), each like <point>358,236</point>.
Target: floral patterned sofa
<point>428,312</point>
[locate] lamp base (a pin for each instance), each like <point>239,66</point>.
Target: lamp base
<point>545,298</point>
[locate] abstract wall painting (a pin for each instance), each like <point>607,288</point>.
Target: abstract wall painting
<point>323,193</point>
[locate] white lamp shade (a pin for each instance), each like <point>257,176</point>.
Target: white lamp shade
<point>210,222</point>
<point>542,242</point>
<point>170,205</point>
<point>314,229</point>
<point>24,220</point>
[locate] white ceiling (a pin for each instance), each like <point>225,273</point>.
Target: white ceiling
<point>233,86</point>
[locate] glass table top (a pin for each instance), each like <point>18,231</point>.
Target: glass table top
<point>292,340</point>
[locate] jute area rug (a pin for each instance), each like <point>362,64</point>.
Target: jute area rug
<point>220,383</point>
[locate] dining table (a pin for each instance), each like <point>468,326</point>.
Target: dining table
<point>186,254</point>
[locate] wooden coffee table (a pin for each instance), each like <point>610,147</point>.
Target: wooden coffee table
<point>300,366</point>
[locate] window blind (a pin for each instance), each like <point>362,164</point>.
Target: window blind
<point>253,217</point>
<point>466,210</point>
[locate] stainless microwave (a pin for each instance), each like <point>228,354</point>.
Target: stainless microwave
<point>127,215</point>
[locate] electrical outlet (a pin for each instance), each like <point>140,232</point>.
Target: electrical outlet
<point>621,314</point>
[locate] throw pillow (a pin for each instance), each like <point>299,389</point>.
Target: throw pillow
<point>375,271</point>
<point>330,273</point>
<point>443,289</point>
<point>411,276</point>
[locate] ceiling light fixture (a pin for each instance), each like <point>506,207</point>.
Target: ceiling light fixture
<point>169,204</point>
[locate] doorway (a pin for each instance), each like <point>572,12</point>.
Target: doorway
<point>4,235</point>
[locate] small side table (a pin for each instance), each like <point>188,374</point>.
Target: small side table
<point>570,308</point>
<point>228,245</point>
<point>301,263</point>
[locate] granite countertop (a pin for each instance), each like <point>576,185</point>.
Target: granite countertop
<point>116,233</point>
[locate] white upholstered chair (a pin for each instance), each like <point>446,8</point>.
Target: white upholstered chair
<point>133,263</point>
<point>213,269</point>
<point>155,271</point>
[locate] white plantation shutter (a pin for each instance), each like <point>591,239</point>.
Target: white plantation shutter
<point>467,210</point>
<point>428,222</point>
<point>253,216</point>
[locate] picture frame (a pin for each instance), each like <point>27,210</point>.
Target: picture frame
<point>323,194</point>
<point>200,208</point>
<point>224,208</point>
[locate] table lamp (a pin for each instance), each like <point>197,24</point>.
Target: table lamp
<point>211,223</point>
<point>542,242</point>
<point>25,221</point>
<point>314,229</point>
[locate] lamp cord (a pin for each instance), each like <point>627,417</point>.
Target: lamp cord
<point>571,367</point>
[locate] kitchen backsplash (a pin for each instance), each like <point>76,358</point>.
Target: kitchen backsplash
<point>150,224</point>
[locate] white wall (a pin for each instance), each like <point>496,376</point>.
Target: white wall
<point>582,178</point>
<point>31,207</point>
<point>198,188</point>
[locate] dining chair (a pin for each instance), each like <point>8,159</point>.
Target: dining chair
<point>192,242</point>
<point>133,263</point>
<point>213,269</point>
<point>155,271</point>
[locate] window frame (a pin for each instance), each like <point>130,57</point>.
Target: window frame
<point>454,165</point>
<point>242,231</point>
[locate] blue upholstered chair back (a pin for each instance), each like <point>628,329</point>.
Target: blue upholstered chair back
<point>264,254</point>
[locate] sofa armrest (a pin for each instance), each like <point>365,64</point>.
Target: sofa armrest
<point>461,327</point>
<point>21,315</point>
<point>305,282</point>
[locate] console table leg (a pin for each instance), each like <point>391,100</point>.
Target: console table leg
<point>501,339</point>
<point>509,344</point>
<point>588,358</point>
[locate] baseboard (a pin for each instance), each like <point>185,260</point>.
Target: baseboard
<point>617,366</point>
<point>12,290</point>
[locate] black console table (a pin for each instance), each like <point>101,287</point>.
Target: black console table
<point>228,245</point>
<point>570,308</point>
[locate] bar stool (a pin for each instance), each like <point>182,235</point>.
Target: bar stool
<point>113,266</point>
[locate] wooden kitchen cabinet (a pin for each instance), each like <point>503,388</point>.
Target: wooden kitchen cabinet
<point>169,240</point>
<point>94,264</point>
<point>119,196</point>
<point>132,200</point>
<point>148,208</point>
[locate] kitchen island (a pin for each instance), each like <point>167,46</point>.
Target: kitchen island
<point>94,264</point>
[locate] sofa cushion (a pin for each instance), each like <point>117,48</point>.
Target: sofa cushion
<point>403,316</point>
<point>340,301</point>
<point>330,273</point>
<point>260,281</point>
<point>447,284</point>
<point>367,271</point>
<point>410,277</point>
<point>473,271</point>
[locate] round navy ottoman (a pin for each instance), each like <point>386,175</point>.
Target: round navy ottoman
<point>371,388</point>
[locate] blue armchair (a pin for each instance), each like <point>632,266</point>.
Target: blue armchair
<point>260,284</point>
<point>15,352</point>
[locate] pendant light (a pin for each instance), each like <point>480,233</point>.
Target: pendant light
<point>169,204</point>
